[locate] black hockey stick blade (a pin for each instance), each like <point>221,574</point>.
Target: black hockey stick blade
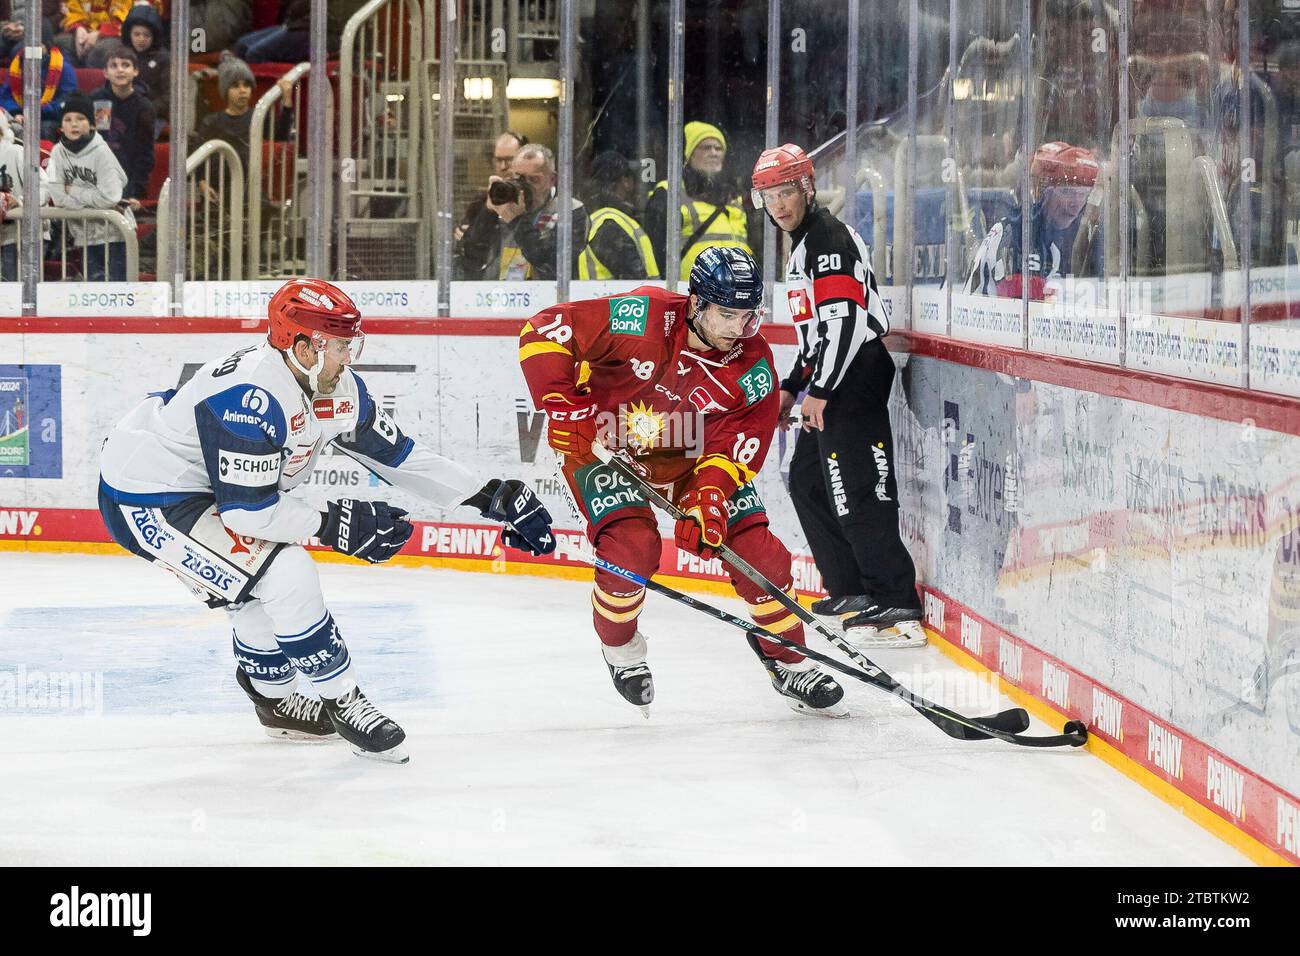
<point>1008,722</point>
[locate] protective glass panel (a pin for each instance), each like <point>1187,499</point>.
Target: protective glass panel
<point>1073,287</point>
<point>620,146</point>
<point>988,99</point>
<point>1275,198</point>
<point>1186,284</point>
<point>724,98</point>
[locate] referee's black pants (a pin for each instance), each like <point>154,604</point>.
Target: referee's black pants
<point>843,482</point>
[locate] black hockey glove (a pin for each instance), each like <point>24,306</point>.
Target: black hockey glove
<point>528,523</point>
<point>373,531</point>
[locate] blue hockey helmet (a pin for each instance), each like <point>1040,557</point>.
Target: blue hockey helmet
<point>728,277</point>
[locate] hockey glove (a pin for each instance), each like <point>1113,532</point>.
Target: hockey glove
<point>704,528</point>
<point>373,531</point>
<point>571,428</point>
<point>528,523</point>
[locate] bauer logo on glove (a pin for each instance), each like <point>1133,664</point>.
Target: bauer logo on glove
<point>373,531</point>
<point>527,522</point>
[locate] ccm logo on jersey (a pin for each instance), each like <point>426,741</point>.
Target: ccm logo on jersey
<point>326,408</point>
<point>249,471</point>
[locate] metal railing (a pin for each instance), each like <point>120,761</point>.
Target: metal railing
<point>382,234</point>
<point>277,180</point>
<point>214,216</point>
<point>110,221</point>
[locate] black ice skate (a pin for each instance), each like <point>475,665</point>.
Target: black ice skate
<point>806,687</point>
<point>630,673</point>
<point>370,733</point>
<point>880,626</point>
<point>290,718</point>
<point>845,604</point>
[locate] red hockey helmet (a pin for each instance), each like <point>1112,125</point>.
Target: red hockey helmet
<point>782,164</point>
<point>324,314</point>
<point>1060,164</point>
<point>311,307</point>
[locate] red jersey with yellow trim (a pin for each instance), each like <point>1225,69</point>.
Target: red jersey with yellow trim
<point>682,411</point>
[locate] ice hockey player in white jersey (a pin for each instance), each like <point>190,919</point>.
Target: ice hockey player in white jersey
<point>196,479</point>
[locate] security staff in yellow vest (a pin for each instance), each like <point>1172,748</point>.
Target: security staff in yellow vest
<point>713,212</point>
<point>617,246</point>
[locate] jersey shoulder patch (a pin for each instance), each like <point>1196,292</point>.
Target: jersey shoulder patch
<point>250,412</point>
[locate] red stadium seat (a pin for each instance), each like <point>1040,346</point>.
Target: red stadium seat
<point>266,13</point>
<point>89,79</point>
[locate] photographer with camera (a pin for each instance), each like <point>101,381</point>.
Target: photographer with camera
<point>525,204</point>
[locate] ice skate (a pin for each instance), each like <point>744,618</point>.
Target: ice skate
<point>885,627</point>
<point>844,604</point>
<point>370,733</point>
<point>294,717</point>
<point>631,675</point>
<point>806,688</point>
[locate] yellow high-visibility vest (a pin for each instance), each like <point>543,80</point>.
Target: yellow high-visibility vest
<point>729,230</point>
<point>590,267</point>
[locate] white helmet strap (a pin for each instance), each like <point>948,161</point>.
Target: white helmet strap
<point>313,373</point>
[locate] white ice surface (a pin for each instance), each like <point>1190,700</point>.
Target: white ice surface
<point>521,751</point>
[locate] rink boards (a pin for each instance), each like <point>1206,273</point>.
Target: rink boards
<point>1115,559</point>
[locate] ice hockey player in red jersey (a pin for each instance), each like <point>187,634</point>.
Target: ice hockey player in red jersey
<point>686,385</point>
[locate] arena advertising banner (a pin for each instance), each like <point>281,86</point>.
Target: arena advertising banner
<point>97,299</point>
<point>1155,551</point>
<point>31,421</point>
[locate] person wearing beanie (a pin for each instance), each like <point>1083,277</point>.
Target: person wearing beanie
<point>234,124</point>
<point>84,174</point>
<point>144,34</point>
<point>617,246</point>
<point>712,211</point>
<point>125,118</point>
<point>58,79</point>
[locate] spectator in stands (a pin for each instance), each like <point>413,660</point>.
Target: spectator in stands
<point>617,246</point>
<point>144,33</point>
<point>58,80</point>
<point>234,124</point>
<point>94,30</point>
<point>12,165</point>
<point>1061,181</point>
<point>712,211</point>
<point>525,202</point>
<point>476,235</point>
<point>288,42</point>
<point>222,22</point>
<point>125,118</point>
<point>84,174</point>
<point>13,16</point>
<point>11,36</point>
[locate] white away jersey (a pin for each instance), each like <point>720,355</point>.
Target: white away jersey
<point>243,431</point>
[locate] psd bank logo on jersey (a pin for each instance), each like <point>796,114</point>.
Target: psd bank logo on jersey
<point>628,314</point>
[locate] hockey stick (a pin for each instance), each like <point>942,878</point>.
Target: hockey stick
<point>1006,725</point>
